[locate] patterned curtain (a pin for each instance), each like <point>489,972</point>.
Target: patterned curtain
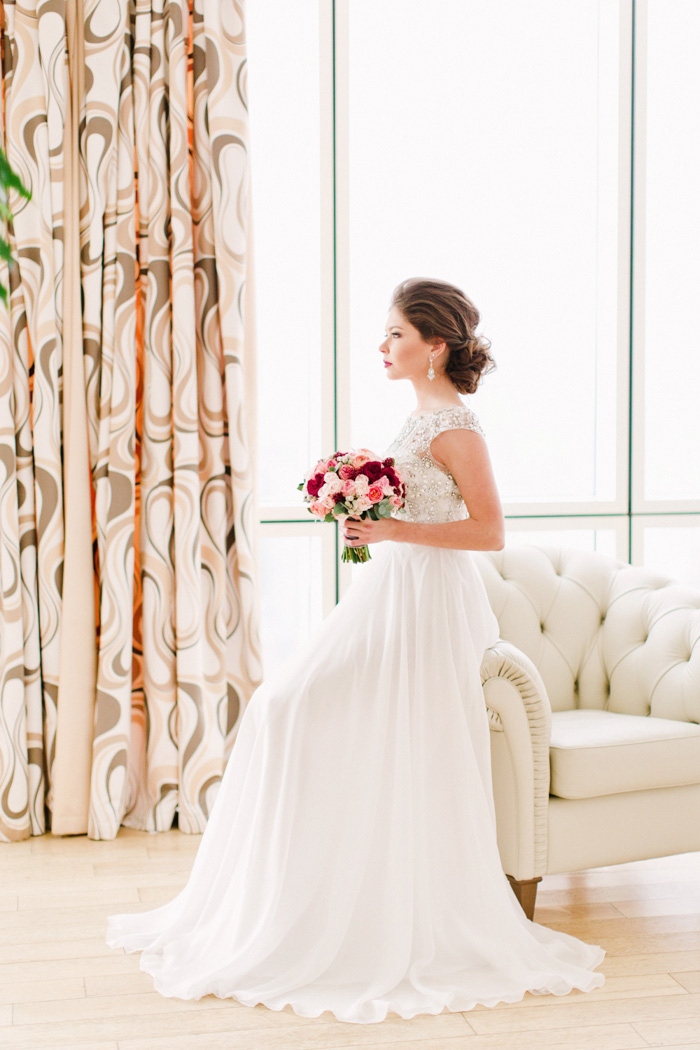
<point>167,358</point>
<point>35,83</point>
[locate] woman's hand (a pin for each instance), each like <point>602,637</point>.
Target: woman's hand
<point>358,532</point>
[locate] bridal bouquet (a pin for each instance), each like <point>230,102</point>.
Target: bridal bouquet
<point>354,483</point>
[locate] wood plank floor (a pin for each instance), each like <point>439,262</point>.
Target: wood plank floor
<point>61,987</point>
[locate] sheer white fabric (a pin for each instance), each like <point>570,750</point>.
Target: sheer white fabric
<point>350,862</point>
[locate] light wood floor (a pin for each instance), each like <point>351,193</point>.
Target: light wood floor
<point>60,986</point>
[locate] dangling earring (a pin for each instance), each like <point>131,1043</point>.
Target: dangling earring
<point>431,371</point>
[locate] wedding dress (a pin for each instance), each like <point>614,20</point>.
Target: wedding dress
<point>350,861</point>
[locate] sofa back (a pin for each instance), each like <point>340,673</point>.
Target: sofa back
<point>602,633</point>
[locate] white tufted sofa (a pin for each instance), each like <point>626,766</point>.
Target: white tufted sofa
<point>593,697</point>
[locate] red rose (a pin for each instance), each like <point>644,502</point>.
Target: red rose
<point>314,484</point>
<point>374,470</point>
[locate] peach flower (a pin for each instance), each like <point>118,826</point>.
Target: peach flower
<point>362,456</point>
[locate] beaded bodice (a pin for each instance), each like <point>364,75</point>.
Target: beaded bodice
<point>431,491</point>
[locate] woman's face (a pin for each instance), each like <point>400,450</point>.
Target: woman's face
<point>406,355</point>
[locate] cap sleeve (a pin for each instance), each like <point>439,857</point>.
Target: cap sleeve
<point>457,418</point>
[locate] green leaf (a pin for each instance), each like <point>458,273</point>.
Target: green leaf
<point>339,508</point>
<point>9,177</point>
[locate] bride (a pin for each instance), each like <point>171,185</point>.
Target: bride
<point>350,861</point>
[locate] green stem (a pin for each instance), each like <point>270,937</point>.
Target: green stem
<point>356,554</point>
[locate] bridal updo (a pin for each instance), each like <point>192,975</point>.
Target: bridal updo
<point>442,311</point>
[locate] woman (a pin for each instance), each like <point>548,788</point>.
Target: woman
<point>350,862</point>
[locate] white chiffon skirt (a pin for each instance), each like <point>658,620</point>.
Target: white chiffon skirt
<point>350,862</point>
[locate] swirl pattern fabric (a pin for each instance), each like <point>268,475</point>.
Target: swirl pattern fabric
<point>35,80</point>
<point>167,354</point>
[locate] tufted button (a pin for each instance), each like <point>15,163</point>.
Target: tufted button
<point>602,619</point>
<point>542,626</point>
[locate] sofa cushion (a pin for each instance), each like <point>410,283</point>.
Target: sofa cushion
<point>594,752</point>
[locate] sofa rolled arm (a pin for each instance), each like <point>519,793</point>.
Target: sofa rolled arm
<point>518,707</point>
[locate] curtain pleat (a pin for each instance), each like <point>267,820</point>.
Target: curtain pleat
<point>76,688</point>
<point>166,385</point>
<point>108,258</point>
<point>35,79</point>
<point>221,134</point>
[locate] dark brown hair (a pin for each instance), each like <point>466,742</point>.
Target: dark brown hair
<point>441,311</point>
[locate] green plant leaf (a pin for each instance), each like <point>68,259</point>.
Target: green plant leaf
<point>10,178</point>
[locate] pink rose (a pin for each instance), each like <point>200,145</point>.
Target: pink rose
<point>363,504</point>
<point>332,485</point>
<point>321,507</point>
<point>362,456</point>
<point>346,472</point>
<point>348,488</point>
<point>395,501</point>
<point>376,493</point>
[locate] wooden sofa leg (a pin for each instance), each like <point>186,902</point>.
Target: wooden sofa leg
<point>526,891</point>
